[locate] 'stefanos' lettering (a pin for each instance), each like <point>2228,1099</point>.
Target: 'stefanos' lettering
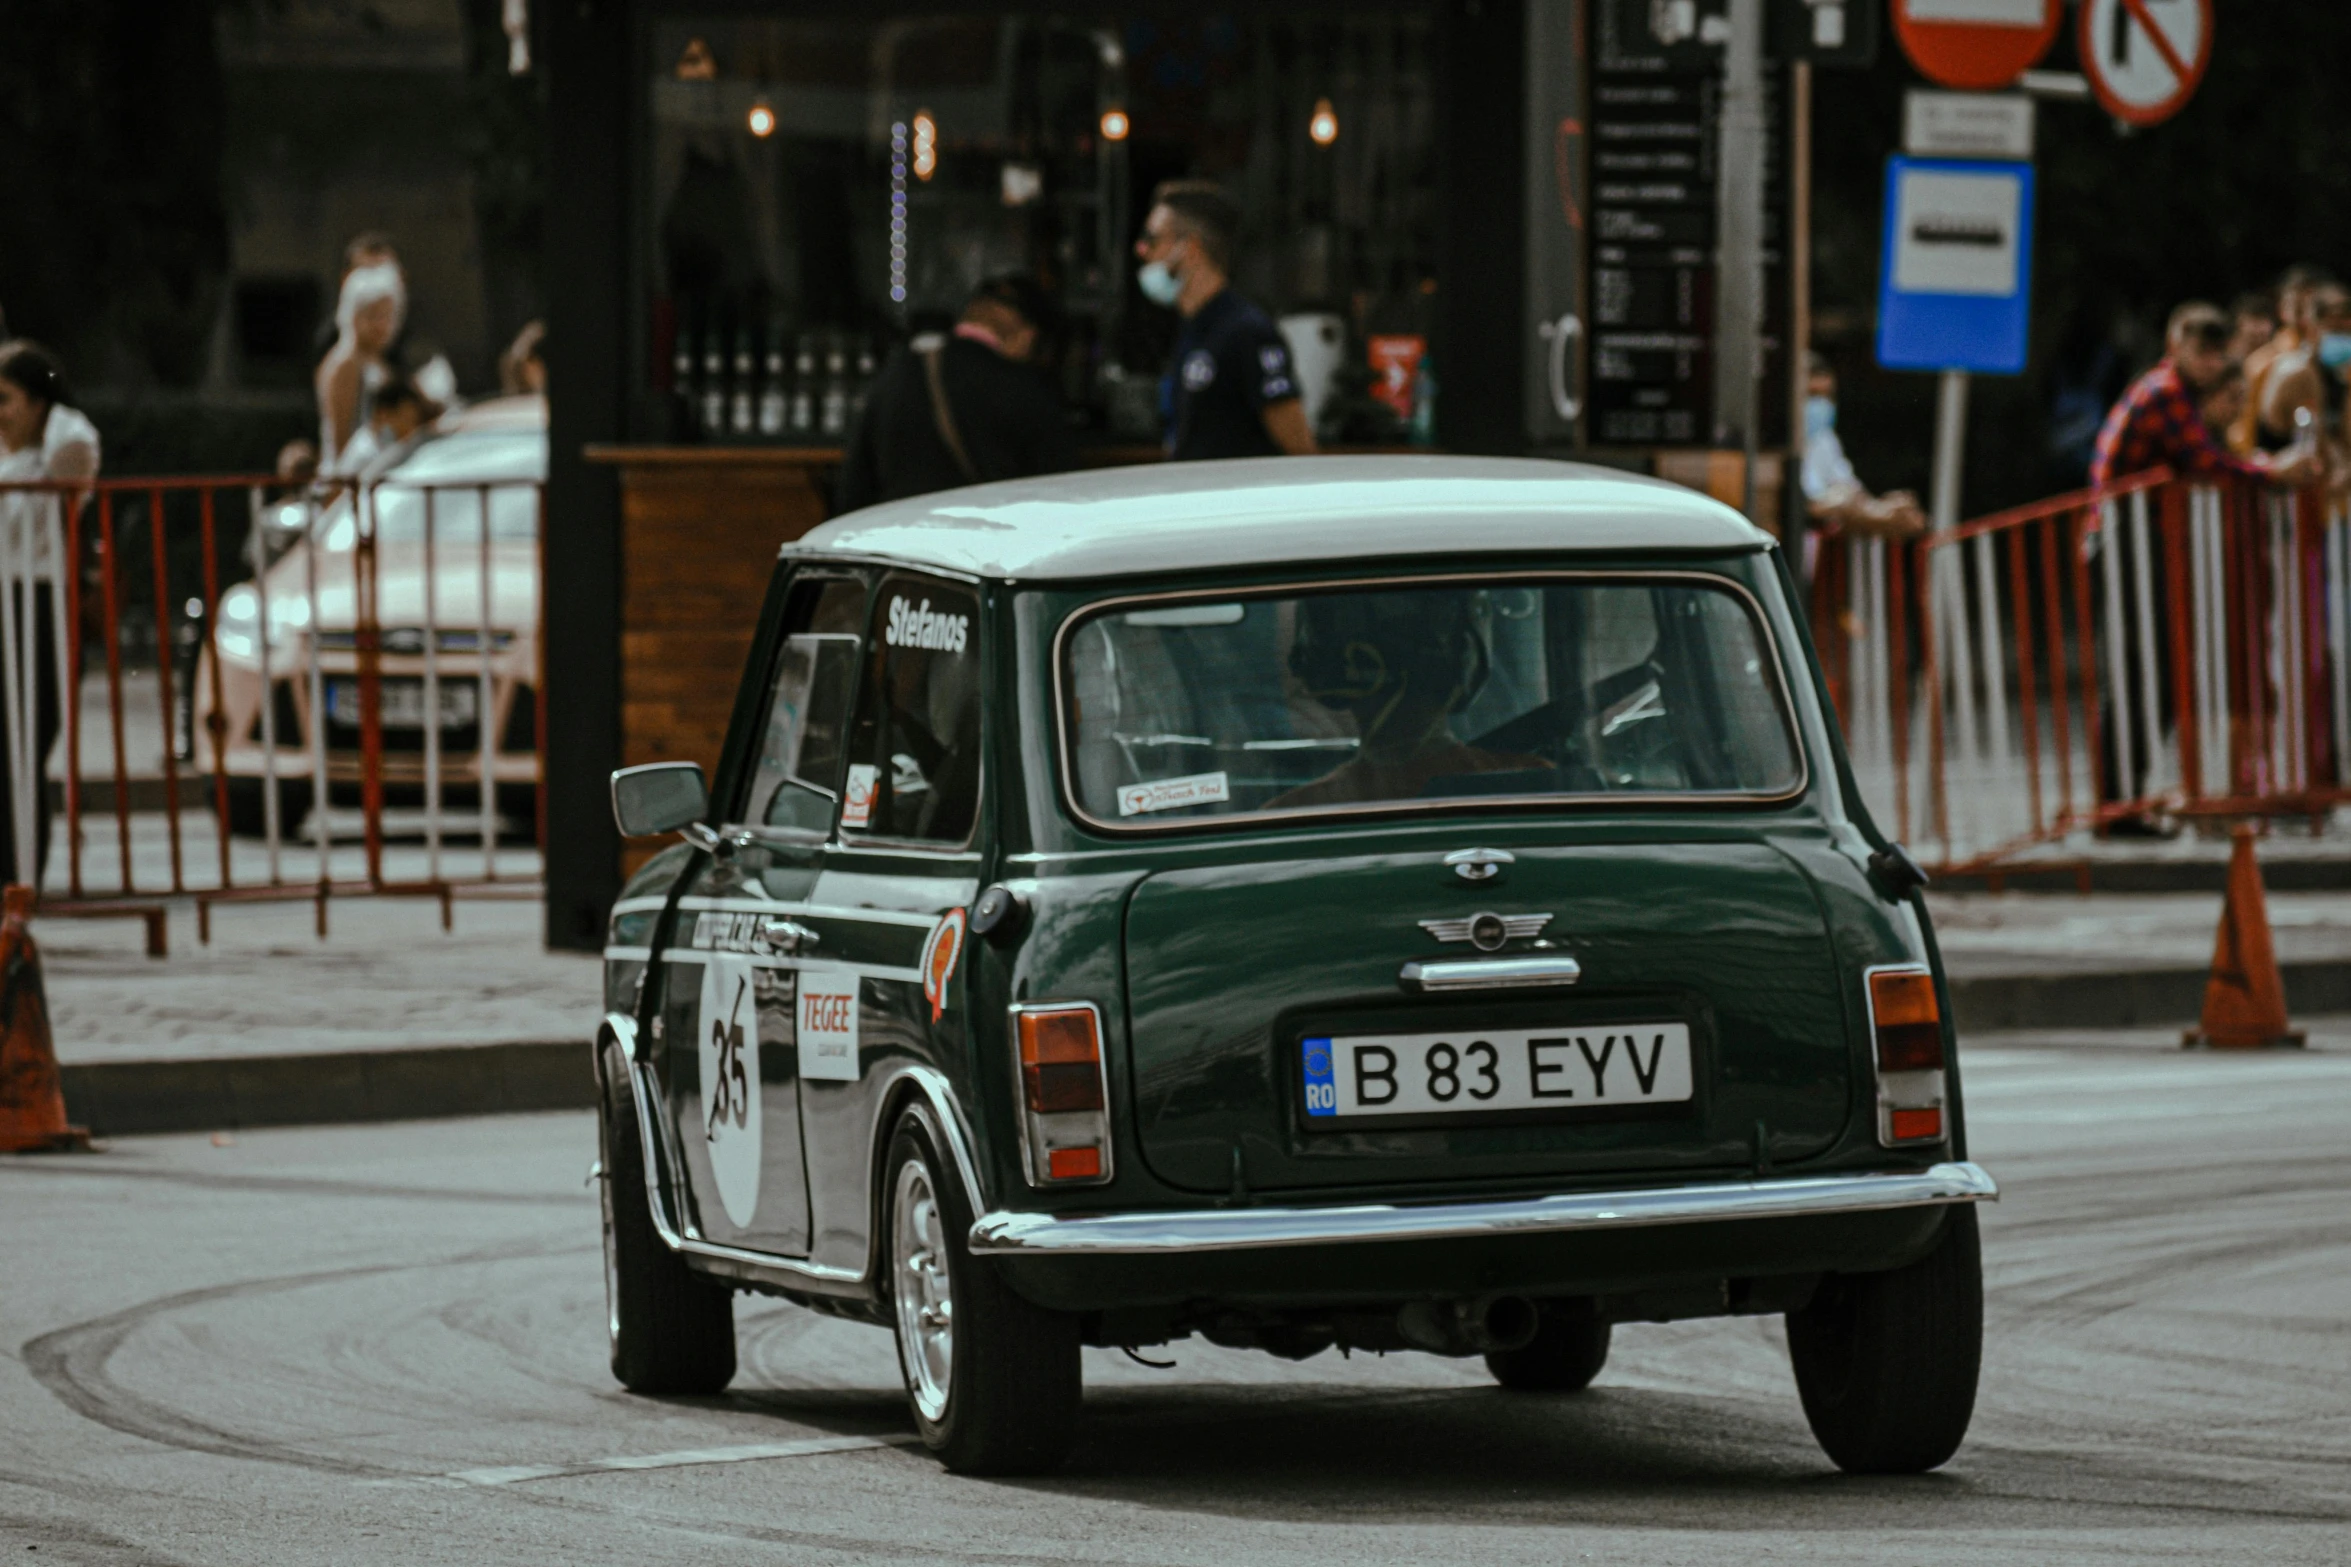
<point>918,626</point>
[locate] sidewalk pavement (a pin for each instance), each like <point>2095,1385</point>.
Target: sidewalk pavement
<point>390,1017</point>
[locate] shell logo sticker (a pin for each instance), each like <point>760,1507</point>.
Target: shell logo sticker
<point>939,955</point>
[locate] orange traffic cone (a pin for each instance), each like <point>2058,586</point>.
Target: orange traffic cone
<point>32,1100</point>
<point>2245,1000</point>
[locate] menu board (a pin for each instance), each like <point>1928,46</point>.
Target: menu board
<point>1654,146</point>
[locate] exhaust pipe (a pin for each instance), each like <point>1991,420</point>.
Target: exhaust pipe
<point>1477,1325</point>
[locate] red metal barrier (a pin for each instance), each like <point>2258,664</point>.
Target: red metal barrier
<point>301,641</point>
<point>2160,648</point>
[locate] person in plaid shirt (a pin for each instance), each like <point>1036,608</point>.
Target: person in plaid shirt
<point>2158,424</point>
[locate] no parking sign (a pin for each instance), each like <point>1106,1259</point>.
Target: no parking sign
<point>2144,58</point>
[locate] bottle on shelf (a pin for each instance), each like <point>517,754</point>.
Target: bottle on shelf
<point>681,381</point>
<point>867,365</point>
<point>714,381</point>
<point>834,423</point>
<point>774,399</point>
<point>740,410</point>
<point>803,420</point>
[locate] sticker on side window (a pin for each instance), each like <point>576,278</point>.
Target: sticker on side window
<point>857,801</point>
<point>1173,794</point>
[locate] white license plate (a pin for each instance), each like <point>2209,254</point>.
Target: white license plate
<point>402,703</point>
<point>1497,1069</point>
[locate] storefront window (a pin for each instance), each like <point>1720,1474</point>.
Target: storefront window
<point>819,190</point>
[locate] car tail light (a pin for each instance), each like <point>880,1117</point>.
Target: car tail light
<point>1064,1097</point>
<point>1061,1060</point>
<point>1906,1033</point>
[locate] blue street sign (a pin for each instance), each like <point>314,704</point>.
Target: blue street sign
<point>1955,271</point>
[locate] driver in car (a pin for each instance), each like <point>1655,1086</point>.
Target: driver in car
<point>1401,665</point>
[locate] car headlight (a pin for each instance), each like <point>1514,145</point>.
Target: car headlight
<point>239,631</point>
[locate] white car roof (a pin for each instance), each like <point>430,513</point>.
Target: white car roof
<point>1168,517</point>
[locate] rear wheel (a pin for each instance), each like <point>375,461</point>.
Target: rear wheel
<point>672,1330</point>
<point>1564,1356</point>
<point>994,1380</point>
<point>247,806</point>
<point>1887,1362</point>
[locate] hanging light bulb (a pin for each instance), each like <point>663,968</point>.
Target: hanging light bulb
<point>762,119</point>
<point>1323,126</point>
<point>926,145</point>
<point>1115,125</point>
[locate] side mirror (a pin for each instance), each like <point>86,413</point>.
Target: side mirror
<point>658,798</point>
<point>1896,873</point>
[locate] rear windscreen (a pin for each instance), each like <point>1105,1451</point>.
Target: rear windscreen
<point>1376,697</point>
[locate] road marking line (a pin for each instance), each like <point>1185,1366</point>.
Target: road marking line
<point>515,1474</point>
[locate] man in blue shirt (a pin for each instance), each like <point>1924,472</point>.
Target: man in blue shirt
<point>1230,390</point>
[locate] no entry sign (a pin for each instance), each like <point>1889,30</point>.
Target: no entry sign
<point>2145,57</point>
<point>1976,44</point>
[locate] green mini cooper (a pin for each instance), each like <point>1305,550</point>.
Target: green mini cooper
<point>1383,904</point>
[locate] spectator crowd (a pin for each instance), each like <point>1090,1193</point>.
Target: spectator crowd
<point>2258,391</point>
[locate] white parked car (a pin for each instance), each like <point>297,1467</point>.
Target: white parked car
<point>490,457</point>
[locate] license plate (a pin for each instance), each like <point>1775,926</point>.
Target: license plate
<point>402,703</point>
<point>1497,1069</point>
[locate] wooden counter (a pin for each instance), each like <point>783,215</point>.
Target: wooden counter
<point>700,527</point>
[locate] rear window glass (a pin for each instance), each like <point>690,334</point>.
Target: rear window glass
<point>1607,688</point>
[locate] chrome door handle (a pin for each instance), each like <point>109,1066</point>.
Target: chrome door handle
<point>1559,334</point>
<point>788,936</point>
<point>1495,974</point>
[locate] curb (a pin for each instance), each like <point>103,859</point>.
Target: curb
<point>2124,999</point>
<point>2147,876</point>
<point>124,1098</point>
<point>432,1082</point>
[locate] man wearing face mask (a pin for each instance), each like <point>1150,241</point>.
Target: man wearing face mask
<point>1834,497</point>
<point>1229,390</point>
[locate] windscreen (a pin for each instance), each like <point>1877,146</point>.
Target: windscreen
<point>1384,697</point>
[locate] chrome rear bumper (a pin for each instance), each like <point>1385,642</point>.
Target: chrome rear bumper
<point>1242,1229</point>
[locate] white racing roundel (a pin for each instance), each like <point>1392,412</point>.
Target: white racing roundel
<point>728,1045</point>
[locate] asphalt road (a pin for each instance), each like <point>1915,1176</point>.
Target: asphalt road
<point>384,1344</point>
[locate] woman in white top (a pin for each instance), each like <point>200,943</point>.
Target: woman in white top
<point>367,320</point>
<point>42,437</point>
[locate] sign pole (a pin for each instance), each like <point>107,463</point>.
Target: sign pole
<point>1954,645</point>
<point>1738,347</point>
<point>1950,448</point>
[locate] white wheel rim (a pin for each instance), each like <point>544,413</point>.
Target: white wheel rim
<point>922,1289</point>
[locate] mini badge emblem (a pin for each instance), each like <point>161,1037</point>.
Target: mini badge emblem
<point>1488,932</point>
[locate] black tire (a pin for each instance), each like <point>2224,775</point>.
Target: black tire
<point>1008,1403</point>
<point>247,816</point>
<point>672,1330</point>
<point>1564,1356</point>
<point>1887,1362</point>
